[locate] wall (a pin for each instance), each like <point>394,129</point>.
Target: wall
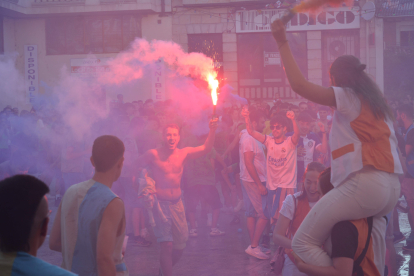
<point>20,32</point>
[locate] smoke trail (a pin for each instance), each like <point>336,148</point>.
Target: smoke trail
<point>11,82</point>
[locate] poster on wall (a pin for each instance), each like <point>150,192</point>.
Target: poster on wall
<point>271,58</point>
<point>158,81</point>
<point>31,72</point>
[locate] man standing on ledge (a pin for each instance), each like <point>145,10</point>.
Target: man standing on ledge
<point>166,166</point>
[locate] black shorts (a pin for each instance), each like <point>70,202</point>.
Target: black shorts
<point>195,193</point>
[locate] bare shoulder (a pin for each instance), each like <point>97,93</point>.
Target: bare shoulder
<point>115,208</point>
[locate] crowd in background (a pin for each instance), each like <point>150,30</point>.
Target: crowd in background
<point>28,146</point>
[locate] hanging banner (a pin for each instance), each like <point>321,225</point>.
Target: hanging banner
<point>158,81</point>
<point>31,72</point>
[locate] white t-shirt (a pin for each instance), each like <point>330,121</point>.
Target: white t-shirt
<point>288,207</point>
<point>281,163</point>
<point>248,143</point>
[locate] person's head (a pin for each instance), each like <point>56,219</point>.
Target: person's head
<point>295,109</point>
<point>304,123</point>
<point>278,125</point>
<point>347,71</point>
<point>129,109</point>
<point>324,181</point>
<point>324,111</point>
<point>303,106</point>
<point>235,114</point>
<point>284,107</point>
<point>149,104</point>
<point>108,156</point>
<point>258,120</point>
<point>23,214</point>
<point>153,123</point>
<point>171,136</point>
<point>310,181</point>
<point>405,113</point>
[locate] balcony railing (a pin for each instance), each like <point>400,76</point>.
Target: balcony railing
<point>58,2</point>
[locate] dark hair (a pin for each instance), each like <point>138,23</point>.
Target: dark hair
<point>325,181</point>
<point>279,118</point>
<point>312,167</point>
<point>406,109</point>
<point>106,151</point>
<point>347,71</point>
<point>171,126</point>
<point>126,105</point>
<point>20,196</point>
<point>324,108</point>
<point>149,101</point>
<point>302,103</point>
<point>256,115</point>
<point>305,116</point>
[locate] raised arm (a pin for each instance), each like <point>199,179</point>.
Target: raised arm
<point>315,93</point>
<point>112,225</point>
<point>295,136</point>
<point>195,152</point>
<point>250,129</point>
<point>323,148</point>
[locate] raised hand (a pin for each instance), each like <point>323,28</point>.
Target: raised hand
<point>278,31</point>
<point>290,115</point>
<point>213,124</point>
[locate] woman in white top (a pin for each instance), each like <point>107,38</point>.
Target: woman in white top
<point>294,210</point>
<point>365,162</point>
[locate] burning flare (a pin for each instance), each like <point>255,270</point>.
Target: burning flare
<point>213,84</point>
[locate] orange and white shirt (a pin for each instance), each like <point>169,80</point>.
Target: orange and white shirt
<point>358,139</point>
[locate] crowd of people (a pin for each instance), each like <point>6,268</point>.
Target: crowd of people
<point>319,178</point>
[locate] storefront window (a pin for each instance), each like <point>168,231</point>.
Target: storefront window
<point>83,35</point>
<point>260,70</point>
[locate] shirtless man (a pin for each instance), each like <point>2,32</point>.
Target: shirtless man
<point>166,164</point>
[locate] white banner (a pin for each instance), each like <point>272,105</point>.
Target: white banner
<point>256,21</point>
<point>158,81</point>
<point>31,72</point>
<point>89,65</point>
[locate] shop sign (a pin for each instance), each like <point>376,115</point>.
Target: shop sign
<point>89,65</point>
<point>271,58</point>
<point>158,81</point>
<point>254,21</point>
<point>31,72</point>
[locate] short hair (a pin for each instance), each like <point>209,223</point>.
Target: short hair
<point>325,181</point>
<point>126,105</point>
<point>280,118</point>
<point>171,126</point>
<point>106,151</point>
<point>149,101</point>
<point>20,196</point>
<point>305,116</point>
<point>324,108</point>
<point>256,115</point>
<point>302,103</point>
<point>406,109</point>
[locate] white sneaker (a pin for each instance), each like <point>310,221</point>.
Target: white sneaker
<point>144,233</point>
<point>209,219</point>
<point>265,250</point>
<point>256,252</point>
<point>216,232</point>
<point>193,233</point>
<point>239,206</point>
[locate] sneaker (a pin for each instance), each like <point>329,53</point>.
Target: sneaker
<point>256,252</point>
<point>398,237</point>
<point>409,246</point>
<point>216,232</point>
<point>209,219</point>
<point>140,241</point>
<point>239,206</point>
<point>144,233</point>
<point>266,241</point>
<point>235,220</point>
<point>265,250</point>
<point>193,233</point>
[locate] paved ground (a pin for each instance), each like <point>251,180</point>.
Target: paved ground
<point>213,256</point>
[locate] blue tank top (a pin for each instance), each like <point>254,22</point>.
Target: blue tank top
<point>89,219</point>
